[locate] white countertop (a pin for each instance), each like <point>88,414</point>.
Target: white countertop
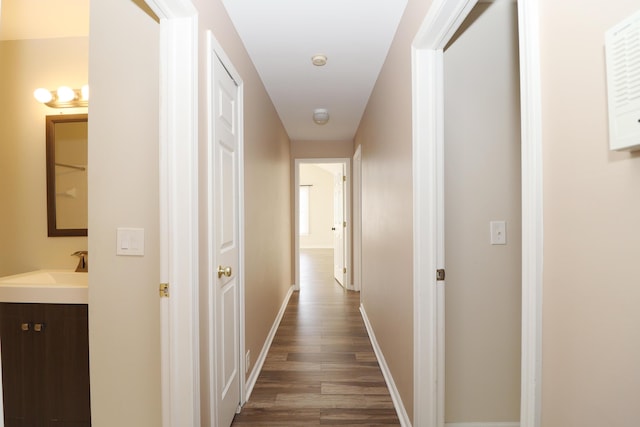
<point>45,286</point>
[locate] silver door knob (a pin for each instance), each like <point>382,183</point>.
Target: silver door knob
<point>224,271</point>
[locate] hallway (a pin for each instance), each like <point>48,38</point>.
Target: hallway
<point>321,368</point>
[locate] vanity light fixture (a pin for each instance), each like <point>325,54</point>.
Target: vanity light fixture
<point>63,97</point>
<point>321,116</point>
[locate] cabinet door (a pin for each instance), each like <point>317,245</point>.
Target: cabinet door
<point>66,366</point>
<point>19,378</point>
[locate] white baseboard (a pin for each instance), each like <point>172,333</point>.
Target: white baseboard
<point>391,385</point>
<point>498,424</point>
<point>251,381</point>
<point>316,247</point>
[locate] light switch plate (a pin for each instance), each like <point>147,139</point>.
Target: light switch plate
<point>130,241</point>
<point>498,230</point>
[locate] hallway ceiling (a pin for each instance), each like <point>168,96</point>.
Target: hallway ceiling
<point>281,36</point>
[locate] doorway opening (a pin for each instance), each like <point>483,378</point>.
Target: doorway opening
<point>438,30</point>
<point>323,217</point>
<point>482,193</point>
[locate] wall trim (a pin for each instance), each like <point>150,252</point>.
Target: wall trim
<point>257,368</point>
<point>386,372</point>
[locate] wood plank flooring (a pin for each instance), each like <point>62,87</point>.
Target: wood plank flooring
<point>321,368</point>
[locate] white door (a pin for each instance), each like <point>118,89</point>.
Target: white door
<point>225,251</point>
<point>338,226</point>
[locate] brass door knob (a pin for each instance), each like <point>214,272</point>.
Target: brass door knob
<point>224,271</point>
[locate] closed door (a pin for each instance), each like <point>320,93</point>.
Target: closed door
<point>225,251</point>
<point>338,226</point>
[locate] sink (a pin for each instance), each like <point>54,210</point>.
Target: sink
<point>45,286</point>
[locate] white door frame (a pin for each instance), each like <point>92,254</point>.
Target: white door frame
<point>179,251</point>
<point>347,231</point>
<point>179,211</point>
<point>440,24</point>
<point>356,219</point>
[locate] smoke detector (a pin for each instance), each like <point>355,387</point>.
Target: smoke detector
<point>320,116</point>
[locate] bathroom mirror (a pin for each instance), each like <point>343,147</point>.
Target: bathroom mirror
<point>67,175</point>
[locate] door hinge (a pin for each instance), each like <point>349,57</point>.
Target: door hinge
<point>344,270</point>
<point>344,178</point>
<point>164,290</point>
<point>440,274</point>
<point>344,224</point>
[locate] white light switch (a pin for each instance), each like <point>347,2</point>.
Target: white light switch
<point>498,230</point>
<point>130,241</point>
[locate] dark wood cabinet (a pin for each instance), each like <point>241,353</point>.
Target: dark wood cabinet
<point>45,365</point>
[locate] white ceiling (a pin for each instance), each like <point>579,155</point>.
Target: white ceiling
<point>39,19</point>
<point>281,36</point>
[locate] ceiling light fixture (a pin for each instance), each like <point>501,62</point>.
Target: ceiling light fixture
<point>320,116</point>
<point>319,60</point>
<point>63,97</point>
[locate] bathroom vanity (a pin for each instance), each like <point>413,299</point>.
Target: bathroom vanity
<point>44,345</point>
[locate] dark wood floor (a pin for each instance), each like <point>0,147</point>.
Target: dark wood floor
<point>321,369</point>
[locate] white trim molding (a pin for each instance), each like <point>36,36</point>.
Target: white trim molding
<point>178,185</point>
<point>356,219</point>
<point>532,215</point>
<point>442,21</point>
<point>386,372</point>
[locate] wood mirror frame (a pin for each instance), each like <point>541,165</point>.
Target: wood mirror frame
<point>53,217</point>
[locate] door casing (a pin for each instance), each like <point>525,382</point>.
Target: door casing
<point>178,211</point>
<point>179,228</point>
<point>441,22</point>
<point>347,230</point>
<point>339,230</point>
<point>356,220</point>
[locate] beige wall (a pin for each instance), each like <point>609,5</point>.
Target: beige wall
<point>24,66</point>
<point>268,219</point>
<point>385,134</point>
<point>320,206</point>
<point>590,333</point>
<point>124,333</point>
<point>591,338</point>
<point>125,347</point>
<point>482,184</point>
<point>590,341</point>
<point>321,149</point>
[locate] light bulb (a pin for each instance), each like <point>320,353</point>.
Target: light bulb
<point>65,94</point>
<point>42,95</point>
<point>319,60</point>
<point>85,92</point>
